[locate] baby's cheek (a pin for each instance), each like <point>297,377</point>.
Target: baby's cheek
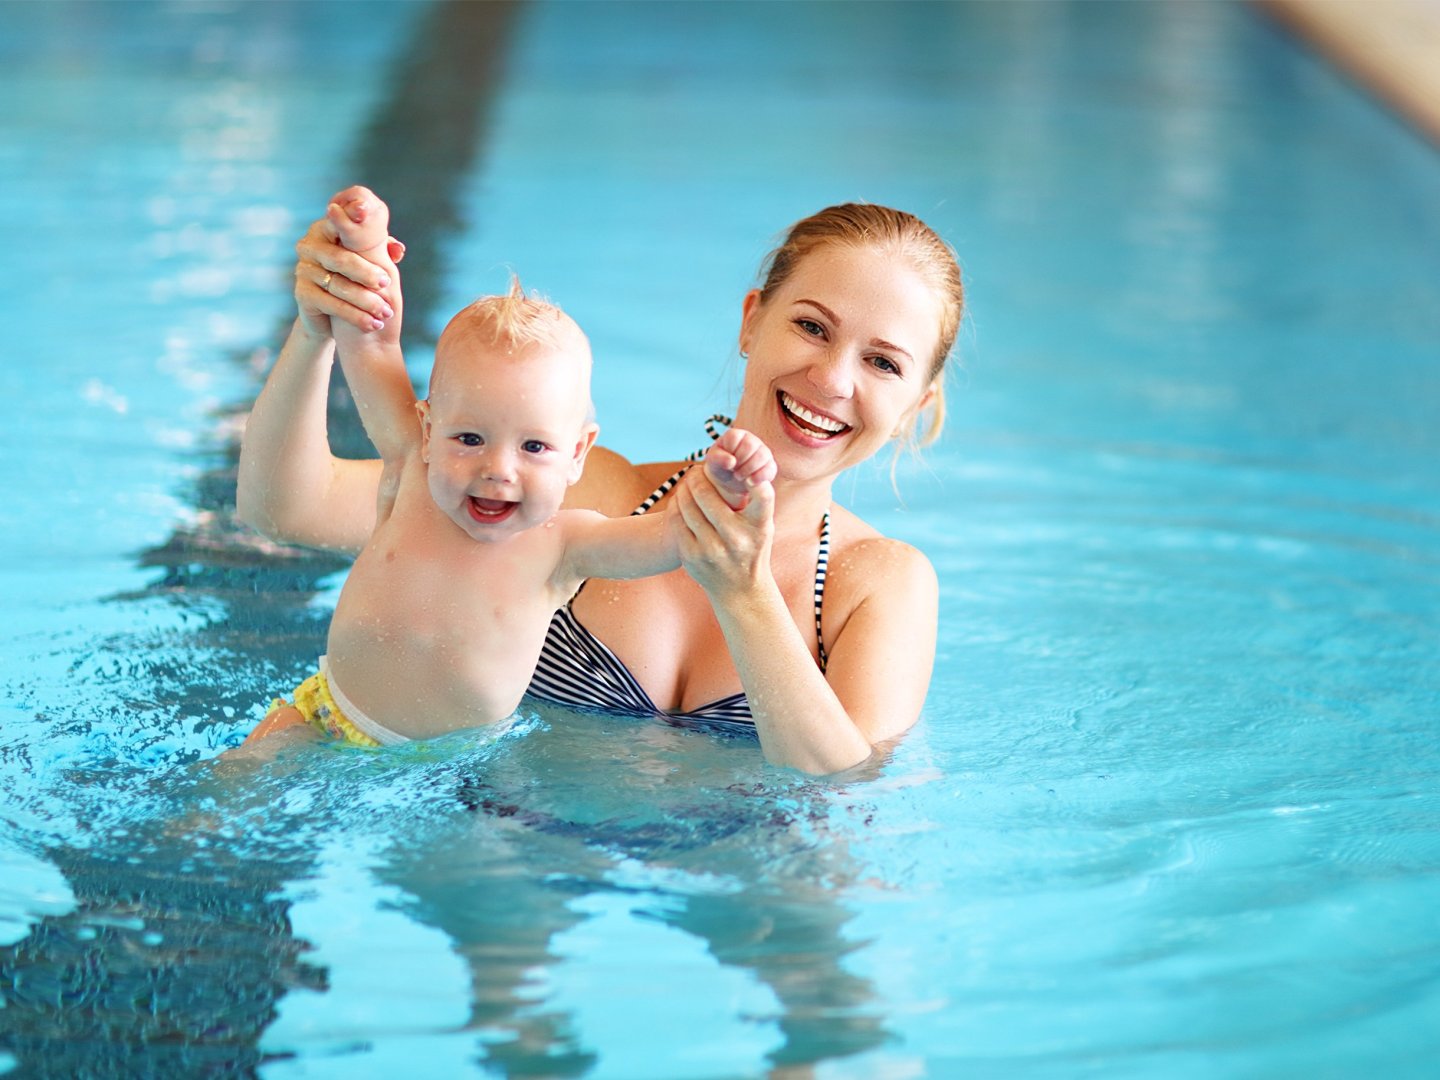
<point>440,489</point>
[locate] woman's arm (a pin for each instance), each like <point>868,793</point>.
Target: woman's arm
<point>879,663</point>
<point>291,487</point>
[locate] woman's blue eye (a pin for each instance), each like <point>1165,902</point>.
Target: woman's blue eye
<point>533,446</point>
<point>810,326</point>
<point>885,364</point>
<point>469,439</point>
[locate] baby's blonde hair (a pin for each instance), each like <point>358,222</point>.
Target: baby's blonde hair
<point>860,225</point>
<point>520,318</point>
<point>514,320</point>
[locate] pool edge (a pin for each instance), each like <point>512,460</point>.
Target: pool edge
<point>1391,47</point>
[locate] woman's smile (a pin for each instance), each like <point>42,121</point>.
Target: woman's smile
<point>814,425</point>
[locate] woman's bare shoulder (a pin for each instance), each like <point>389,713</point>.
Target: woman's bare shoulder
<point>874,561</point>
<point>613,485</point>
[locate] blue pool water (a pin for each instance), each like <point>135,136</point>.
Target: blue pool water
<point>1172,808</point>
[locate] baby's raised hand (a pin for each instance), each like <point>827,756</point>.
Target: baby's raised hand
<point>737,462</point>
<point>362,221</point>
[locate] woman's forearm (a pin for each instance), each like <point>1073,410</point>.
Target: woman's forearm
<point>801,721</point>
<point>879,658</point>
<point>291,487</point>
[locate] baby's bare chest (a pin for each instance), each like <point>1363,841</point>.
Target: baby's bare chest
<point>428,580</point>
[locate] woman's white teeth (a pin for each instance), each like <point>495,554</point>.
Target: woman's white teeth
<point>823,423</point>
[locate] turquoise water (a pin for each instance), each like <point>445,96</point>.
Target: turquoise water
<point>1171,810</point>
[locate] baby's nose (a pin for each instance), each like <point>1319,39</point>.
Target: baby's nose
<point>499,466</point>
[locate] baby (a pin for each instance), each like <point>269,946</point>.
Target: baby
<point>441,619</point>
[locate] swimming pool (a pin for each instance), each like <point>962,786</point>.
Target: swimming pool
<point>1172,808</point>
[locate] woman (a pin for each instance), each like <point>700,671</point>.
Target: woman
<point>845,345</point>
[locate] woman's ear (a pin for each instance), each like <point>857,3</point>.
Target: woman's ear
<point>928,396</point>
<point>749,312</point>
<point>906,428</point>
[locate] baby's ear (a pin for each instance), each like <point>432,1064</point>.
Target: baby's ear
<point>422,410</point>
<point>582,447</point>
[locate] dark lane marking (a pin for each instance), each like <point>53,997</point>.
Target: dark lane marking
<point>424,141</point>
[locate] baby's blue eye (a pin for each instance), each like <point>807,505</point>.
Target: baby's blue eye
<point>469,439</point>
<point>533,446</point>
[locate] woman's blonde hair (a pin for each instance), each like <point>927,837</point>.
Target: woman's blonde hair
<point>872,226</point>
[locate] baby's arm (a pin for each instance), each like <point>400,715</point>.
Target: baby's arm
<point>372,360</point>
<point>605,547</point>
<point>631,547</point>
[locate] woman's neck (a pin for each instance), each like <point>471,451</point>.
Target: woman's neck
<point>799,505</point>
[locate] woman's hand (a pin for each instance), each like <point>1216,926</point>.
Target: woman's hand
<point>290,486</point>
<point>333,282</point>
<point>726,551</point>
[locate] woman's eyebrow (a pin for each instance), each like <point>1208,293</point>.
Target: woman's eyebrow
<point>822,309</point>
<point>883,344</point>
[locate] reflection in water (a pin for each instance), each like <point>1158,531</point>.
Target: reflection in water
<point>169,965</point>
<point>209,896</point>
<point>751,869</point>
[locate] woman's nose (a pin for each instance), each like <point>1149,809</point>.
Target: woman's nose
<point>831,375</point>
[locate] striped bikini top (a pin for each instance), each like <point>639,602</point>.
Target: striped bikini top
<point>578,671</point>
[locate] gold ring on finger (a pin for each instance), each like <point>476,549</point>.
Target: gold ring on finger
<point>326,283</point>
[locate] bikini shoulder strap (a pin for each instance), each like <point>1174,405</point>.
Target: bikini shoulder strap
<point>822,567</point>
<point>674,478</point>
<point>661,491</point>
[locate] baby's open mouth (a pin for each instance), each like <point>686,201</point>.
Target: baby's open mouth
<point>490,511</point>
<point>814,424</point>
